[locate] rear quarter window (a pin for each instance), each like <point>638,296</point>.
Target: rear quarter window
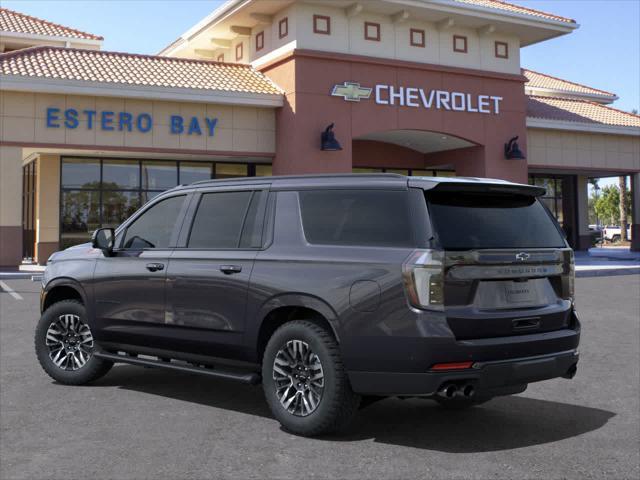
<point>356,217</point>
<point>463,221</point>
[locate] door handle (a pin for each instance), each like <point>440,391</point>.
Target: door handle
<point>230,269</point>
<point>154,267</point>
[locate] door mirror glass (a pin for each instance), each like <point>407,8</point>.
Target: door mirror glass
<point>103,239</point>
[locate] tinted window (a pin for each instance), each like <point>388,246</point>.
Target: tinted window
<point>467,220</point>
<point>219,219</point>
<point>252,231</point>
<point>356,217</point>
<point>154,227</point>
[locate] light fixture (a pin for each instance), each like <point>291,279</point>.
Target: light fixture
<point>328,142</point>
<point>512,150</point>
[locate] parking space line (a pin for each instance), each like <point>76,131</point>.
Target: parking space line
<point>10,291</point>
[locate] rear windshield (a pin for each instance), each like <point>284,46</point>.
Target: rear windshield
<point>474,220</point>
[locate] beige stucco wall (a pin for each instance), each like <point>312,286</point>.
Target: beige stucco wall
<point>239,129</point>
<point>10,186</point>
<point>347,36</point>
<point>48,199</point>
<point>558,148</point>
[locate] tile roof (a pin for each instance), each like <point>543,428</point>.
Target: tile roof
<point>134,70</point>
<point>11,21</point>
<point>580,111</point>
<point>541,80</point>
<point>511,8</point>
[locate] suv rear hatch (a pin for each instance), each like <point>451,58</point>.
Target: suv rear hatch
<point>506,267</point>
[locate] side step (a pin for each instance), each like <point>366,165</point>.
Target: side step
<point>250,378</point>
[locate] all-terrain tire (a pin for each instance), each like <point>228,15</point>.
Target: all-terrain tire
<point>338,403</point>
<point>94,367</point>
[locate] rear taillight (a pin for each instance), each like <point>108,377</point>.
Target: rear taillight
<point>423,274</point>
<point>569,276</point>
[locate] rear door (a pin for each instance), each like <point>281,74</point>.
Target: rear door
<point>506,263</point>
<point>208,276</point>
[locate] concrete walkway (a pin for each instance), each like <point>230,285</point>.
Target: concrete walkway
<point>607,261</point>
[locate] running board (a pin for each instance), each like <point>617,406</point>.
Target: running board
<point>250,378</point>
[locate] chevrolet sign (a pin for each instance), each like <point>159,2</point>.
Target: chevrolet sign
<point>416,97</point>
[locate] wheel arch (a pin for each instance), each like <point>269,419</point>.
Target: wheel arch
<point>62,289</point>
<point>288,307</point>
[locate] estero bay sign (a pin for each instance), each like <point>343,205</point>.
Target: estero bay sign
<point>106,120</point>
<point>418,97</point>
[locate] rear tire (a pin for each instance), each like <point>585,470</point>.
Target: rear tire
<point>305,382</point>
<point>64,345</point>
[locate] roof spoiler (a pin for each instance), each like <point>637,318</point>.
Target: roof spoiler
<point>479,185</point>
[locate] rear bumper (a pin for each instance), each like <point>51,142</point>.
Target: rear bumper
<point>491,378</point>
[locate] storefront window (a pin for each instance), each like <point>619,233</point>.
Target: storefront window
<point>120,174</point>
<point>194,172</point>
<point>105,192</point>
<point>553,196</point>
<point>159,175</point>
<point>264,171</point>
<point>231,170</point>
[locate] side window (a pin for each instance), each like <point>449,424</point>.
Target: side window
<point>228,220</point>
<point>154,227</point>
<point>356,217</point>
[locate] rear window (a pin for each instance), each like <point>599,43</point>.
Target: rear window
<point>472,220</point>
<point>356,217</point>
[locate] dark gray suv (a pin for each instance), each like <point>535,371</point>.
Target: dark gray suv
<point>332,291</point>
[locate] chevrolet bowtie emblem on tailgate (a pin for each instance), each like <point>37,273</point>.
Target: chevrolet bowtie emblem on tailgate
<point>522,256</point>
<point>351,91</point>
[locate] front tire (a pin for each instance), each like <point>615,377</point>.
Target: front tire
<point>305,382</point>
<point>64,345</point>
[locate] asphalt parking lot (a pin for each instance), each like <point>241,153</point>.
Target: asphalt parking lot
<point>139,423</point>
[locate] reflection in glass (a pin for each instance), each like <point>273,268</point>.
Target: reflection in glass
<point>231,170</point>
<point>120,174</point>
<point>264,171</point>
<point>146,196</point>
<point>79,216</point>
<point>159,175</point>
<point>118,206</point>
<point>80,173</point>
<point>195,171</point>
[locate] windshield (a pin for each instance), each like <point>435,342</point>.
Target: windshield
<point>464,221</point>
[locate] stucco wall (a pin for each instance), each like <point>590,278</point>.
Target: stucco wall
<point>565,149</point>
<point>23,119</point>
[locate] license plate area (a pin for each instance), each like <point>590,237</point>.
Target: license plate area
<point>512,294</point>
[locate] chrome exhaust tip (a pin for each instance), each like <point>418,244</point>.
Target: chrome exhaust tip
<point>448,391</point>
<point>468,390</point>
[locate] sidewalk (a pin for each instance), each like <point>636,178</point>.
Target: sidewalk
<point>607,261</point>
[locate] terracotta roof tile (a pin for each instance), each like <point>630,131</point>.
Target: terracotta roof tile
<point>541,80</point>
<point>133,69</point>
<point>16,22</point>
<point>509,7</point>
<point>580,111</point>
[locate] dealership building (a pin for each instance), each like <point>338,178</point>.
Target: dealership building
<point>418,87</point>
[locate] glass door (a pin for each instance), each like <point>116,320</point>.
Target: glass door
<point>29,173</point>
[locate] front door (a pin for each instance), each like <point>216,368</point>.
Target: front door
<point>208,276</point>
<point>129,286</point>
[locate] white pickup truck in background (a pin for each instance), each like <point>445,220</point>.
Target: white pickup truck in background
<point>612,233</point>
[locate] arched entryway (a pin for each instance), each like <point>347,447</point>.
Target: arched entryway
<point>417,151</point>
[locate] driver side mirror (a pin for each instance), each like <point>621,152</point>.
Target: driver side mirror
<point>103,238</point>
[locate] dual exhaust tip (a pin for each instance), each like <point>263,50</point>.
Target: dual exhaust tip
<point>451,390</point>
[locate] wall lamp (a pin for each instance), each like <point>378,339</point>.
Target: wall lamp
<point>328,142</point>
<point>512,150</point>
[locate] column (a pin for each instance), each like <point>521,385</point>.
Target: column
<point>10,206</point>
<point>635,207</point>
<point>47,207</point>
